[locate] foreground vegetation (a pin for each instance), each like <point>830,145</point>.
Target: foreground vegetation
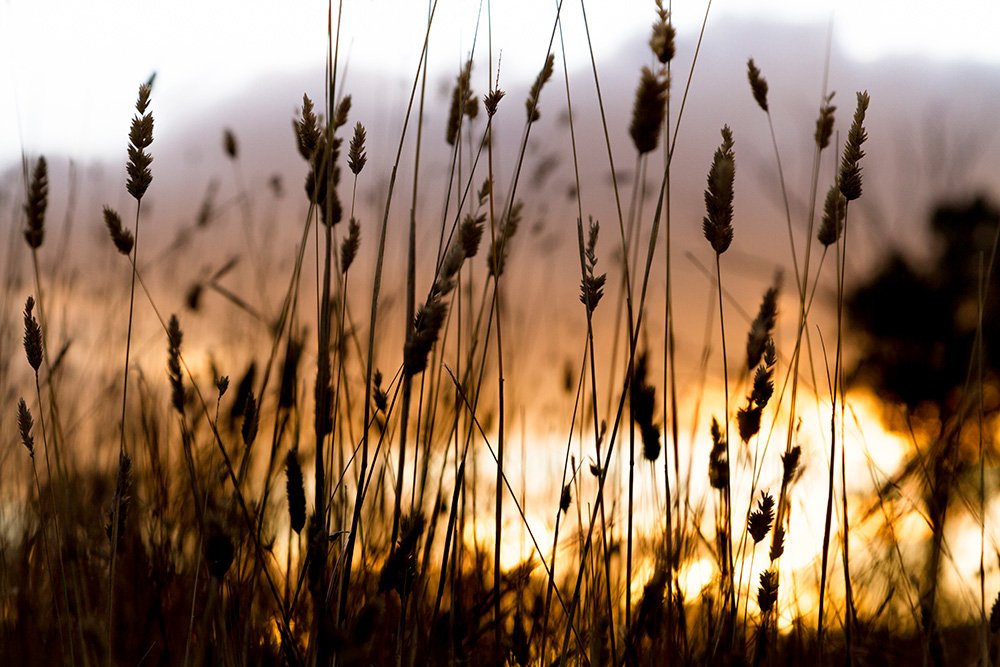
<point>319,508</point>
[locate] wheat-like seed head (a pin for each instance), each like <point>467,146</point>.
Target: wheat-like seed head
<point>24,426</point>
<point>356,156</point>
<point>32,336</point>
<point>174,338</point>
<point>536,89</point>
<point>824,124</point>
<point>760,520</point>
<point>140,137</point>
<point>307,130</point>
<point>850,167</point>
<point>717,224</point>
<point>767,593</point>
<point>37,202</point>
<point>350,245</point>
<point>758,84</point>
<point>834,211</point>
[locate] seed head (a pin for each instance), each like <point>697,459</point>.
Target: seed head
<point>38,201</point>
<point>24,425</point>
<point>307,130</point>
<point>662,40</point>
<point>717,224</point>
<point>356,156</point>
<point>834,212</point>
<point>758,85</point>
<point>174,338</point>
<point>850,167</point>
<point>229,144</point>
<point>296,491</point>
<point>121,237</point>
<point>140,137</point>
<point>350,245</point>
<point>824,123</point>
<point>761,519</point>
<point>767,594</point>
<point>536,89</point>
<point>32,336</point>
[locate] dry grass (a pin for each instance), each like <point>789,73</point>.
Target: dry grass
<point>388,545</point>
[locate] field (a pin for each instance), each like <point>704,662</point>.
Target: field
<point>507,400</point>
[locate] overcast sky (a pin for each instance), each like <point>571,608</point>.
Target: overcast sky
<point>69,70</point>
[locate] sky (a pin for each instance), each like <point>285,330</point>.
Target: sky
<point>69,70</point>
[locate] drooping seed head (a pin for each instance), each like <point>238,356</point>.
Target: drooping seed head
<point>122,238</point>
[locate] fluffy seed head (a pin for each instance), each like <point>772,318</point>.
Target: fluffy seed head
<point>648,110</point>
<point>463,100</point>
<point>834,212</point>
